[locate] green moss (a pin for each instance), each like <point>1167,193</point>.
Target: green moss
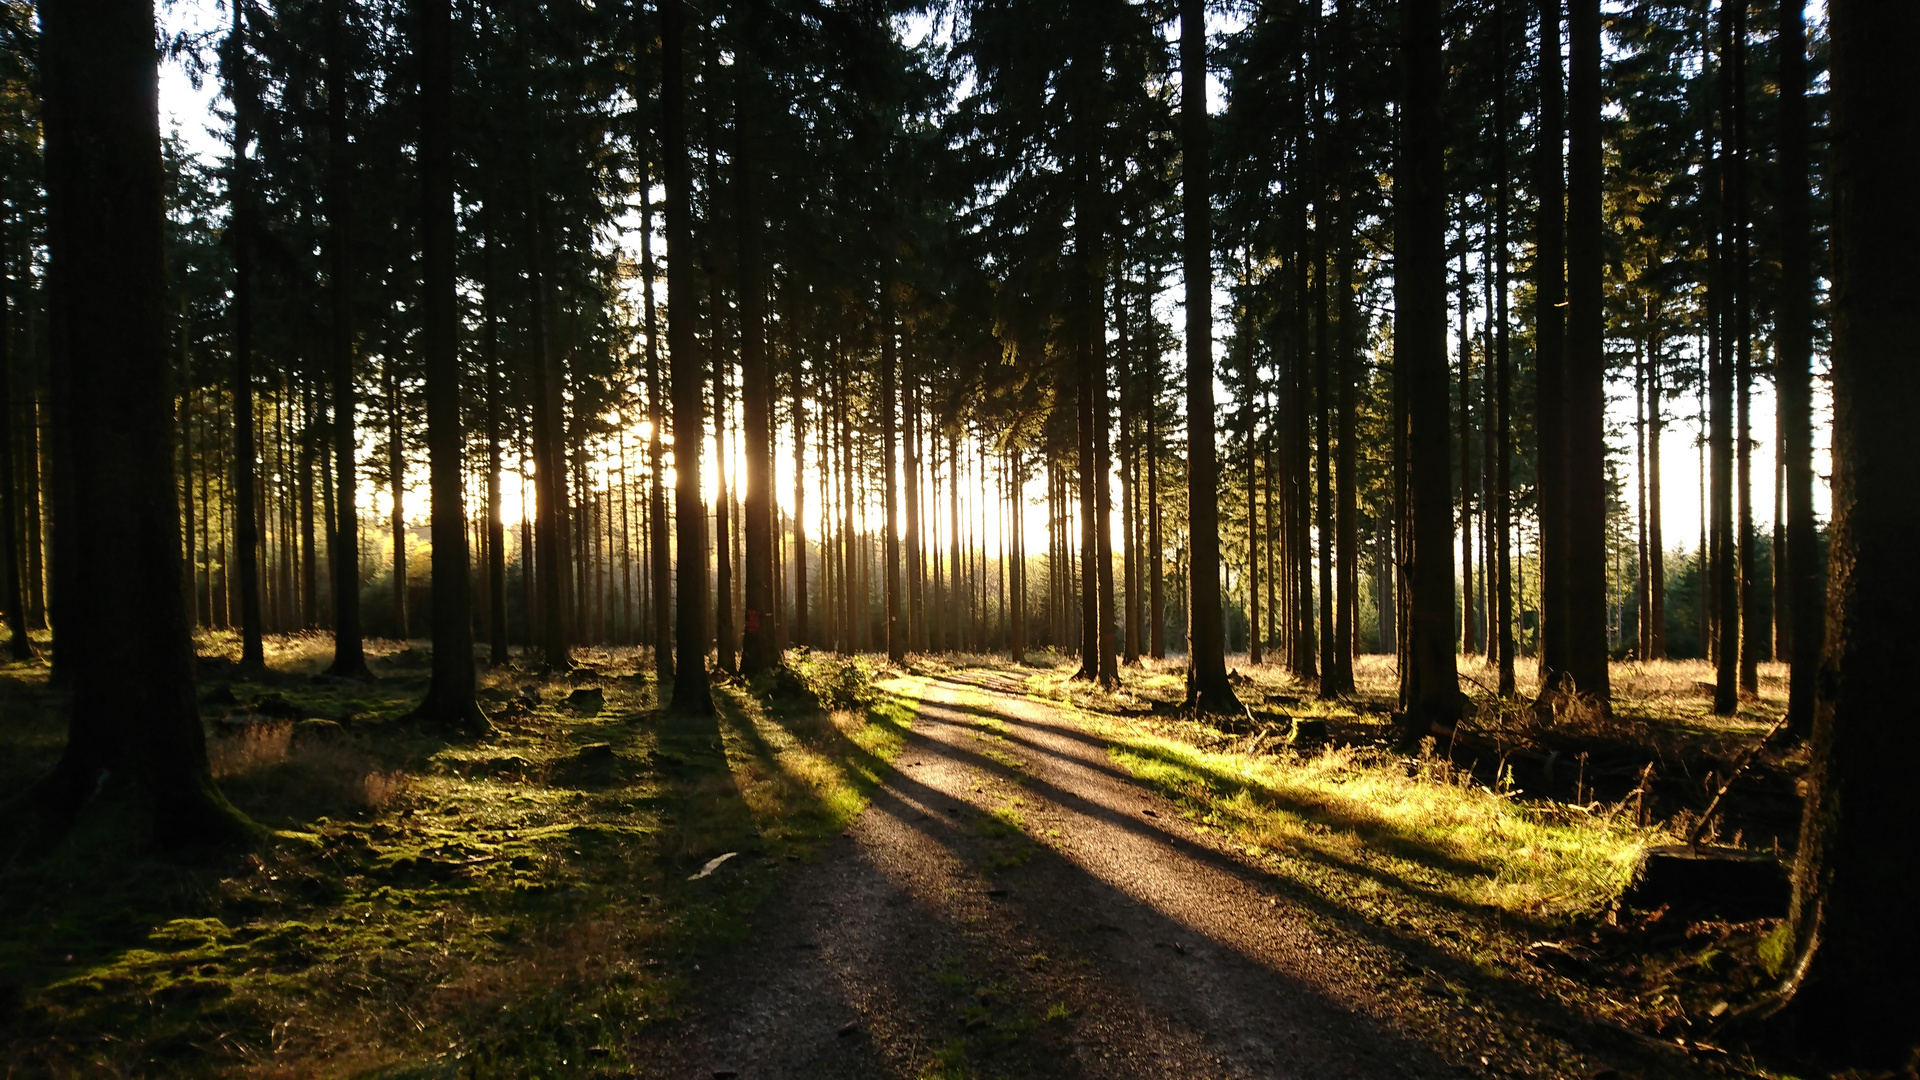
<point>513,907</point>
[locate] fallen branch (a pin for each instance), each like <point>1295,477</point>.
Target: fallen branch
<point>1700,826</point>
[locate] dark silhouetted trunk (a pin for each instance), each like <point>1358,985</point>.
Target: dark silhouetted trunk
<point>1585,608</point>
<point>349,656</point>
<point>1431,685</point>
<point>497,651</point>
<point>1793,347</point>
<point>1207,688</point>
<point>889,436</point>
<point>691,692</point>
<point>19,646</point>
<point>758,651</point>
<point>450,698</point>
<point>1724,325</point>
<point>657,544</point>
<point>1856,976</point>
<point>245,454</point>
<point>1550,352</point>
<point>125,641</point>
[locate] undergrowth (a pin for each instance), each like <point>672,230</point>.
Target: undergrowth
<point>515,906</point>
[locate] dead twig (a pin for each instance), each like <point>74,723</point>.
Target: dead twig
<point>1700,826</point>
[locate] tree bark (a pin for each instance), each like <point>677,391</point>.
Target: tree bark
<point>123,626</point>
<point>658,555</point>
<point>691,692</point>
<point>245,454</point>
<point>450,700</point>
<point>349,655</point>
<point>1550,353</point>
<point>1585,630</point>
<point>1207,688</point>
<point>1855,982</point>
<point>1431,685</point>
<point>1793,336</point>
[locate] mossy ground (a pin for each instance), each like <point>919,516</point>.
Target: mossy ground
<point>516,905</point>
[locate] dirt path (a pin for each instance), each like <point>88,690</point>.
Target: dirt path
<point>1012,904</point>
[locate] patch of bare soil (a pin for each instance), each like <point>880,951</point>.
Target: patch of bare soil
<point>1013,905</point>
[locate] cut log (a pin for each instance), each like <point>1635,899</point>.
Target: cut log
<point>1725,882</point>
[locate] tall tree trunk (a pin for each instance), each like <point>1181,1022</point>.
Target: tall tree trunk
<point>757,647</point>
<point>1793,349</point>
<point>1503,419</point>
<point>889,436</point>
<point>1550,353</point>
<point>1656,552</point>
<point>450,700</point>
<point>1432,691</point>
<point>19,646</point>
<point>349,656</point>
<point>1469,630</point>
<point>498,652</point>
<point>691,692</point>
<point>1109,663</point>
<point>245,457</point>
<point>1347,495</point>
<point>1156,548</point>
<point>1724,322</point>
<point>801,637</point>
<point>1752,628</point>
<point>658,554</point>
<point>396,481</point>
<point>1323,463</point>
<point>1856,976</point>
<point>124,635</point>
<point>1586,366</point>
<point>549,467</point>
<point>1207,688</point>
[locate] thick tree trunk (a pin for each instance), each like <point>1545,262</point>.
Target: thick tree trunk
<point>1431,684</point>
<point>1856,976</point>
<point>123,627</point>
<point>450,698</point>
<point>691,692</point>
<point>549,471</point>
<point>1207,688</point>
<point>1585,609</point>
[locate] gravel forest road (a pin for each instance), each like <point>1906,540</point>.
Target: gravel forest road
<point>1012,904</point>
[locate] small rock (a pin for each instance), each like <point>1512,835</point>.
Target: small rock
<point>851,1027</point>
<point>220,695</point>
<point>587,699</point>
<point>725,1074</point>
<point>1308,731</point>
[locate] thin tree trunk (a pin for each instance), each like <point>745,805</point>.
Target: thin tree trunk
<point>1550,353</point>
<point>1586,537</point>
<point>691,692</point>
<point>1793,350</point>
<point>349,656</point>
<point>245,456</point>
<point>1207,688</point>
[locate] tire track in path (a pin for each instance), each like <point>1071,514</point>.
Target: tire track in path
<point>1012,904</point>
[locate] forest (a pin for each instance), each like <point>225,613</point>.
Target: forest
<point>975,538</point>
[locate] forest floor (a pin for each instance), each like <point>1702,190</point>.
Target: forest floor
<point>960,868</point>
